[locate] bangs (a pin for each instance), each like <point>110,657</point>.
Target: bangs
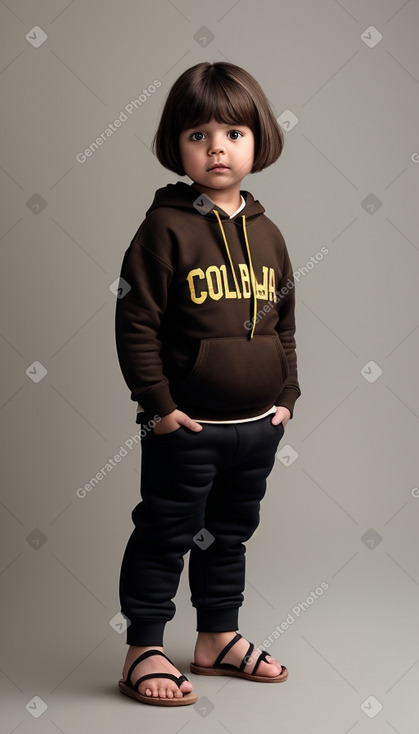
<point>214,99</point>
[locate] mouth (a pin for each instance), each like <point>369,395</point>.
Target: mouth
<point>218,167</point>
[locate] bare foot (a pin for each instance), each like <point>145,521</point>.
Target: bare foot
<point>162,687</point>
<point>209,645</point>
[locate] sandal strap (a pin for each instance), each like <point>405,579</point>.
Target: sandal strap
<point>246,658</point>
<point>225,650</point>
<point>177,680</point>
<point>141,657</point>
<point>263,655</point>
<point>229,666</point>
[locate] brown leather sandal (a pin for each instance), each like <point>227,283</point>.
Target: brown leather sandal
<point>127,687</point>
<point>220,668</point>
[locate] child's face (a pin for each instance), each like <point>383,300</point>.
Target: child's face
<point>205,145</point>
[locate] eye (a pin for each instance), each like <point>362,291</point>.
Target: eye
<point>235,132</point>
<point>197,133</point>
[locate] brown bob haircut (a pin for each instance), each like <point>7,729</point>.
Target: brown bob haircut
<point>230,95</point>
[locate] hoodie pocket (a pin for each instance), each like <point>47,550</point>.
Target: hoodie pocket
<point>231,372</point>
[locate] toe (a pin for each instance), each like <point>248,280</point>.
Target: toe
<point>186,686</point>
<point>154,691</point>
<point>274,667</point>
<point>268,667</point>
<point>160,689</point>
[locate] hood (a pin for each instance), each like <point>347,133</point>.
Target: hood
<point>182,196</point>
<point>190,199</point>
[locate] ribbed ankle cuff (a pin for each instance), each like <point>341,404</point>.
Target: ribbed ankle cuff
<point>145,632</point>
<point>217,620</point>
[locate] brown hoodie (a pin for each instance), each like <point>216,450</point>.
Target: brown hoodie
<point>204,318</point>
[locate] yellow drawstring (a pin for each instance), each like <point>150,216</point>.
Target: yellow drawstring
<point>239,295</point>
<point>252,272</point>
<point>252,276</point>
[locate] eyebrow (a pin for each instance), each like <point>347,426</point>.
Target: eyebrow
<point>222,124</point>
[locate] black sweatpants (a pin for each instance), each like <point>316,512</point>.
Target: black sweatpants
<point>200,492</point>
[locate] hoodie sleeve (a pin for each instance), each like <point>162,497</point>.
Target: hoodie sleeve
<point>285,328</point>
<point>138,317</point>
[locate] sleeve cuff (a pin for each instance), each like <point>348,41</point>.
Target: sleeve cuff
<point>287,399</point>
<point>156,402</point>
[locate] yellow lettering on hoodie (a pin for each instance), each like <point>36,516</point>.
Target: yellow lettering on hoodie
<point>272,289</point>
<point>228,293</point>
<point>218,287</point>
<point>198,272</point>
<point>245,279</point>
<point>216,295</point>
<point>262,288</point>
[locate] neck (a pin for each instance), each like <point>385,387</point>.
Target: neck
<point>228,200</point>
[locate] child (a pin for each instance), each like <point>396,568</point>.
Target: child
<point>205,331</point>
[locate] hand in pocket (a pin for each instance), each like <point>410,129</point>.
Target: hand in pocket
<point>172,421</point>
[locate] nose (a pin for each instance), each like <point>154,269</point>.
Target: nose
<point>216,149</point>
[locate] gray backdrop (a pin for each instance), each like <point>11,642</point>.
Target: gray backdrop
<point>332,570</point>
